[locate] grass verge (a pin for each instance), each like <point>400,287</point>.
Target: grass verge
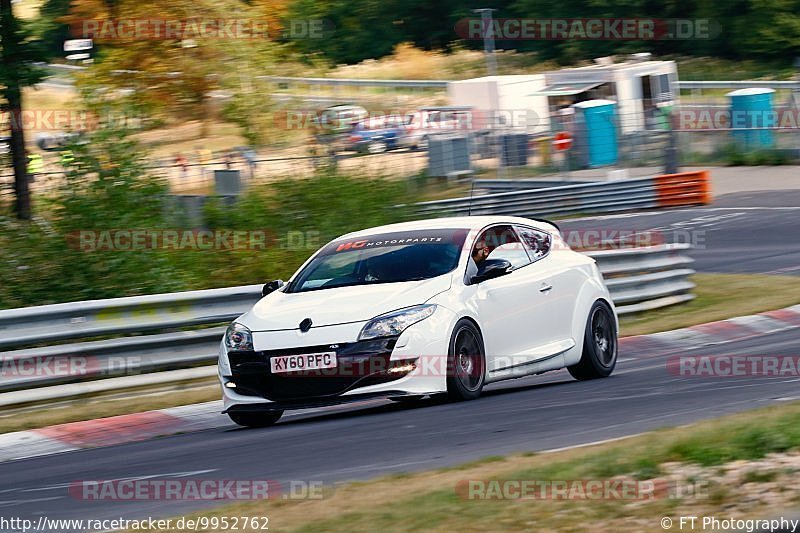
<point>408,502</point>
<point>719,296</point>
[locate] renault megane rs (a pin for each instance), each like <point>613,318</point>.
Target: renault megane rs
<point>442,306</point>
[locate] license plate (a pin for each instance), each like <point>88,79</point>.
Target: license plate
<point>308,361</point>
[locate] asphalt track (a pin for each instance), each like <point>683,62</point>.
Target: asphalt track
<point>532,414</point>
<point>753,232</point>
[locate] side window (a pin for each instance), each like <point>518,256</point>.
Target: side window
<point>500,242</point>
<point>537,242</point>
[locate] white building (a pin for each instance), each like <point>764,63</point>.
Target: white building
<point>639,86</point>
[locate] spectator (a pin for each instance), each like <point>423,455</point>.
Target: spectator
<point>250,158</point>
<point>204,158</point>
<point>228,160</point>
<point>35,166</point>
<point>183,164</point>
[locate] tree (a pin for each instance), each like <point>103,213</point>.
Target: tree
<point>171,77</point>
<point>17,55</point>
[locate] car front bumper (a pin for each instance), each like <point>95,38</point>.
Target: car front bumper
<point>411,364</point>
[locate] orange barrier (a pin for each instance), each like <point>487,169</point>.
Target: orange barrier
<point>685,188</point>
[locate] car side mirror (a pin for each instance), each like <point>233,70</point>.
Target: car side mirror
<point>490,269</point>
<point>271,287</point>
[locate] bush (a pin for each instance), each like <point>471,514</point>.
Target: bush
<point>42,261</point>
<point>300,215</point>
<point>736,155</point>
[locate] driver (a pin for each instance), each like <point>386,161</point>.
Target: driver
<point>480,252</point>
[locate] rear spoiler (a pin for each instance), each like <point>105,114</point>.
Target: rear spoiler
<point>547,222</point>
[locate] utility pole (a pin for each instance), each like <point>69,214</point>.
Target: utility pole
<point>487,30</point>
<point>10,55</point>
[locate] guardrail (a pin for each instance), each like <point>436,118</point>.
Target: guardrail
<point>442,84</point>
<point>688,188</point>
<point>638,279</point>
<point>133,314</point>
<point>738,84</point>
<point>345,82</point>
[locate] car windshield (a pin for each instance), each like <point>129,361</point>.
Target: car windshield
<point>385,258</point>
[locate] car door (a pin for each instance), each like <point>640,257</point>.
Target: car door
<point>503,303</point>
<point>557,285</point>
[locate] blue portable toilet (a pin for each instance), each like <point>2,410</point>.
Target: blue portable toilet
<point>596,132</point>
<point>752,108</point>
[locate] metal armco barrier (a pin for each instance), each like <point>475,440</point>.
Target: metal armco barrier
<point>688,188</point>
<point>508,185</point>
<point>133,314</point>
<point>645,278</point>
<point>638,278</point>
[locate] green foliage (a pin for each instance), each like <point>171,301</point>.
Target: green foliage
<point>50,30</point>
<point>108,187</point>
<point>735,155</point>
<point>18,53</point>
<point>738,29</point>
<point>299,215</point>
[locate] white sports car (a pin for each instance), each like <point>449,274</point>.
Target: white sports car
<point>419,308</point>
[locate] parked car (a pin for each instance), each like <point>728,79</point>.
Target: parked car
<point>338,119</point>
<point>58,139</point>
<point>333,124</point>
<point>427,121</point>
<point>375,135</point>
<point>440,306</point>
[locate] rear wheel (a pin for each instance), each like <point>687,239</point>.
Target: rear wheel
<point>256,420</point>
<point>466,363</point>
<point>599,345</point>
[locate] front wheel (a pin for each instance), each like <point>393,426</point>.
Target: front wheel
<point>466,362</point>
<point>599,345</point>
<point>256,420</point>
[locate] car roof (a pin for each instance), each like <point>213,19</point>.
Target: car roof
<point>469,223</point>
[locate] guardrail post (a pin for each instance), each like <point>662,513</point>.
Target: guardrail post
<point>671,153</point>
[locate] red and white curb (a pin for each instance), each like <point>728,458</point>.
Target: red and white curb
<point>713,333</point>
<point>188,418</point>
<point>112,430</point>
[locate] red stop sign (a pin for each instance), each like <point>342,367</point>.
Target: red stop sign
<point>562,141</point>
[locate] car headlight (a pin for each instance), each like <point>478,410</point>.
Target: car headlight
<point>396,322</point>
<point>238,338</point>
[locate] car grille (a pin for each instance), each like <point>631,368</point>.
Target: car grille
<point>359,364</point>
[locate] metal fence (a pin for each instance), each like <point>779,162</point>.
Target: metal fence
<point>486,150</point>
<point>638,279</point>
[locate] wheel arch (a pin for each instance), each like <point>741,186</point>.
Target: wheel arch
<point>592,290</point>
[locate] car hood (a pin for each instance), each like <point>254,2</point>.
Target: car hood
<point>326,307</point>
